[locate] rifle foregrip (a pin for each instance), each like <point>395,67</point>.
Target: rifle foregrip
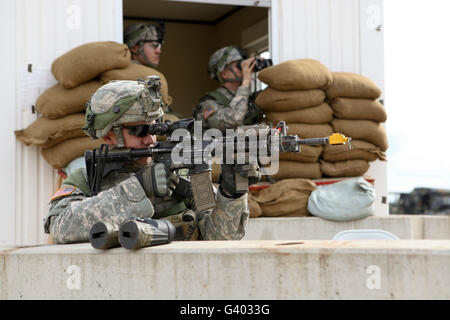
<point>314,141</point>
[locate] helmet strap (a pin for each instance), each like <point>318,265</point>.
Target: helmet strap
<point>120,141</point>
<point>235,79</point>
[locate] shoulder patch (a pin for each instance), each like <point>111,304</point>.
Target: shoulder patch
<point>63,192</point>
<point>208,112</point>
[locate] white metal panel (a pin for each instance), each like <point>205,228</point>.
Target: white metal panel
<point>372,66</point>
<point>7,122</point>
<point>326,30</point>
<point>36,32</point>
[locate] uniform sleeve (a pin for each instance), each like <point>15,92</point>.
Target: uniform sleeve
<point>227,221</point>
<point>220,117</point>
<point>70,218</point>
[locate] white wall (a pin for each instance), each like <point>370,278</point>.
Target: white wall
<point>343,35</point>
<point>7,122</point>
<point>35,33</point>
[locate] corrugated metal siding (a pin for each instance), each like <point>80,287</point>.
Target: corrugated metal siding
<point>326,30</point>
<point>44,30</point>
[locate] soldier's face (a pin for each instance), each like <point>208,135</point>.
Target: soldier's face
<point>152,51</point>
<point>137,142</point>
<point>228,74</point>
<point>133,141</point>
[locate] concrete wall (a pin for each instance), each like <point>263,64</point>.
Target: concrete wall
<point>254,270</point>
<point>407,227</point>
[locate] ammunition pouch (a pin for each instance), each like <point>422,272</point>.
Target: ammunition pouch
<point>254,113</point>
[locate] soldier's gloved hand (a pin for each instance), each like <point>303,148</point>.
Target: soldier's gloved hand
<point>235,179</point>
<point>157,181</point>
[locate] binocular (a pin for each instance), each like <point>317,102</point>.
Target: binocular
<point>259,64</point>
<point>133,234</point>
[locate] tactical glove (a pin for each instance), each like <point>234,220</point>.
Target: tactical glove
<point>235,179</point>
<point>157,181</point>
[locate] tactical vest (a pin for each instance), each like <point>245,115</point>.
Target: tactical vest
<point>254,113</point>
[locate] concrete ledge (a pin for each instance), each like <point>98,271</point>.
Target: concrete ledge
<point>406,227</point>
<point>415,269</point>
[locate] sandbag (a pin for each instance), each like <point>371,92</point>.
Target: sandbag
<point>313,115</point>
<point>286,198</point>
<point>352,85</point>
<point>361,150</point>
<point>42,130</point>
<point>305,131</point>
<point>358,109</point>
<point>75,133</point>
<point>271,99</point>
<point>61,154</point>
<point>57,101</point>
<point>307,154</point>
<point>347,200</point>
<point>253,207</point>
<point>303,74</point>
<point>348,168</point>
<point>366,130</point>
<point>295,170</point>
<point>87,61</point>
<point>135,71</point>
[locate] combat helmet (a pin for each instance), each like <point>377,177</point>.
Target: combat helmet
<point>221,59</point>
<point>150,31</point>
<point>123,101</point>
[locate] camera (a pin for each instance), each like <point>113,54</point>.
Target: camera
<point>259,64</point>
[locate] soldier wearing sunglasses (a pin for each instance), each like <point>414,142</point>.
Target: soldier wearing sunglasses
<point>145,42</point>
<point>120,113</point>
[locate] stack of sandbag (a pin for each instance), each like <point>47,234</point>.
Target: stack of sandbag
<point>295,95</point>
<point>58,130</point>
<point>357,114</point>
<point>285,198</point>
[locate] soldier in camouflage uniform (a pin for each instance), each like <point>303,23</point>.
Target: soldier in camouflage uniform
<point>119,113</point>
<point>228,106</point>
<point>145,42</point>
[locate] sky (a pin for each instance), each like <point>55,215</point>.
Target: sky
<point>417,93</point>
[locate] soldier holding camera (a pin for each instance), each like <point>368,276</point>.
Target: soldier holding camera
<point>229,106</point>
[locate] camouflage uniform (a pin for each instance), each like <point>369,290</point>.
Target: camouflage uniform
<point>215,114</point>
<point>71,216</point>
<point>122,196</point>
<point>223,109</point>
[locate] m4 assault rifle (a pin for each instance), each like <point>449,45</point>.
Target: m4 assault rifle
<point>185,148</point>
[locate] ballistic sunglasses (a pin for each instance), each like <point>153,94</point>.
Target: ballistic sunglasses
<point>140,130</point>
<point>154,44</point>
